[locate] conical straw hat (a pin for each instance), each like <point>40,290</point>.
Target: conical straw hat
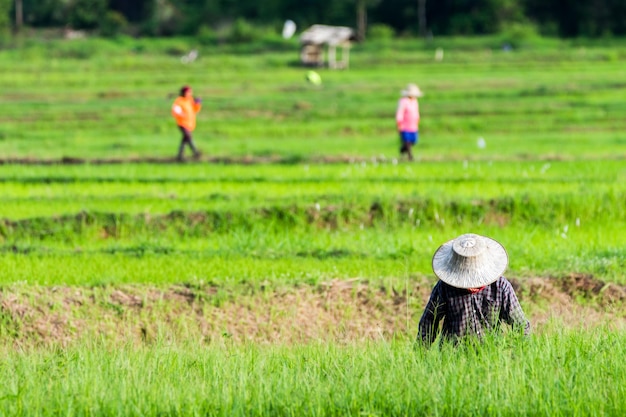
<point>412,90</point>
<point>470,261</point>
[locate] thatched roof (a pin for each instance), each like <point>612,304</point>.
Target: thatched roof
<point>324,34</point>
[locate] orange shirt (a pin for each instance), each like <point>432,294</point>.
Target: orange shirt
<point>184,111</point>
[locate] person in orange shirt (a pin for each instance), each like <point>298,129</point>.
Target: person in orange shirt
<point>184,111</point>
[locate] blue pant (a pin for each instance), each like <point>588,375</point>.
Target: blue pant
<point>411,137</point>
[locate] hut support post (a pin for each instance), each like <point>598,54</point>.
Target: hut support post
<point>332,56</point>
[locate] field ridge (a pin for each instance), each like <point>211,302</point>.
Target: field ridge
<point>300,159</point>
<point>337,310</point>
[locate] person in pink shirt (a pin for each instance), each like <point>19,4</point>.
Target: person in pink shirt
<point>407,118</point>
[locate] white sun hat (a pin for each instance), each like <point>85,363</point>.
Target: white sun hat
<point>412,90</point>
<point>470,261</point>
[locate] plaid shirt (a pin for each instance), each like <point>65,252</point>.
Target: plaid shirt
<point>465,313</point>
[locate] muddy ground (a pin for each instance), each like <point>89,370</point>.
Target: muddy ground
<point>340,311</point>
<point>226,160</point>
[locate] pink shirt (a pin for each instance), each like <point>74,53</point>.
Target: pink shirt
<point>408,114</point>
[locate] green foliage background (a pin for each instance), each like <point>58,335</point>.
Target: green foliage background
<point>600,18</point>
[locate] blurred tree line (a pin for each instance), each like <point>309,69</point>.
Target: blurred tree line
<point>589,18</point>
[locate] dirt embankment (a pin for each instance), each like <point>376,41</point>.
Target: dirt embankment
<point>341,311</point>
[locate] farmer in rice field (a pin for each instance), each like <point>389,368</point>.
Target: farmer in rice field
<point>407,119</point>
<point>471,297</point>
<point>184,111</point>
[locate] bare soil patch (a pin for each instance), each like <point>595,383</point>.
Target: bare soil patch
<point>342,311</point>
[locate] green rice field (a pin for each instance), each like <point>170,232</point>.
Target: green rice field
<point>285,271</point>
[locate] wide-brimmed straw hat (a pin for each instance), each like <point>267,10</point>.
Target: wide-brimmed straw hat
<point>412,90</point>
<point>470,261</point>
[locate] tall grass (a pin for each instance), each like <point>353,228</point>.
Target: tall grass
<point>561,374</point>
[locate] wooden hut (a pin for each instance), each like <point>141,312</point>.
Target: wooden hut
<point>317,37</point>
